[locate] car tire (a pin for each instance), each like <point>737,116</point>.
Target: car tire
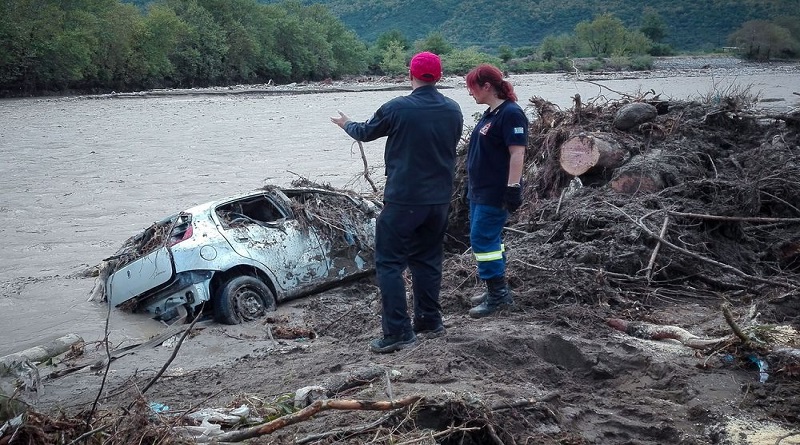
<point>243,298</point>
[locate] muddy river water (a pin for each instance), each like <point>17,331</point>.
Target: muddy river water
<point>80,175</point>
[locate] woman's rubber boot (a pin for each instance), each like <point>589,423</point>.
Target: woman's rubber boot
<point>478,299</point>
<point>498,297</point>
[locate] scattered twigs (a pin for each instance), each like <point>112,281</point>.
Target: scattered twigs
<point>341,432</point>
<point>492,432</point>
<point>444,433</point>
<point>90,416</point>
<point>734,218</point>
<point>629,96</point>
<point>87,434</point>
<point>511,229</point>
<point>702,258</point>
<point>366,167</point>
<point>649,269</point>
<point>311,410</point>
<point>726,311</point>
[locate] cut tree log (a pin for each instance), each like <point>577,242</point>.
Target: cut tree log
<point>632,182</point>
<point>590,152</point>
<point>649,172</point>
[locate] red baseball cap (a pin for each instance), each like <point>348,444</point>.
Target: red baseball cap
<point>426,66</point>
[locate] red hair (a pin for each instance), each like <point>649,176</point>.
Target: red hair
<point>486,73</point>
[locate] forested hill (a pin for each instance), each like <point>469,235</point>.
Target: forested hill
<point>691,24</point>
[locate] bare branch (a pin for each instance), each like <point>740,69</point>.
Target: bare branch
<point>311,410</point>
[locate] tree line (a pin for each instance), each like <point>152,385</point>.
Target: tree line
<point>108,45</point>
<point>95,45</point>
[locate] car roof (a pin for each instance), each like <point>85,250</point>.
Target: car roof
<point>203,207</point>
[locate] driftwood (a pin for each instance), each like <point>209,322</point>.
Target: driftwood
<point>336,384</point>
<point>587,153</point>
<point>40,353</point>
<point>649,331</point>
<point>309,411</point>
<point>95,364</point>
<point>366,167</point>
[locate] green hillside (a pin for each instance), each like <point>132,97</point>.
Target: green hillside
<point>691,24</point>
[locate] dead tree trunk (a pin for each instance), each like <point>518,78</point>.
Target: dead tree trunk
<point>590,153</point>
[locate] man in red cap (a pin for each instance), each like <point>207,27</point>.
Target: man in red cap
<point>422,130</point>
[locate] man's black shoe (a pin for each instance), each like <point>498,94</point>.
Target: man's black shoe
<point>428,332</point>
<point>391,343</point>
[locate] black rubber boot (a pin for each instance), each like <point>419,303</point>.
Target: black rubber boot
<point>498,297</point>
<point>478,299</point>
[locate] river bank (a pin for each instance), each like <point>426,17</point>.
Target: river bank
<point>723,71</point>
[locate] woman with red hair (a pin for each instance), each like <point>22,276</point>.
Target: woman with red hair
<point>494,168</point>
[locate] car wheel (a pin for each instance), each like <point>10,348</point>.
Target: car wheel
<point>242,299</point>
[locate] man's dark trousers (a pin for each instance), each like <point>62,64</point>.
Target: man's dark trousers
<point>410,236</point>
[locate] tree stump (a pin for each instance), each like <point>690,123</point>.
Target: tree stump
<point>590,152</point>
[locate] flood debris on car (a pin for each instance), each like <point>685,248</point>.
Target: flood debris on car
<point>238,257</point>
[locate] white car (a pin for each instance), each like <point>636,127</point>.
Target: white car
<point>239,257</point>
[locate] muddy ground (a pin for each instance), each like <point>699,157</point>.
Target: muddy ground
<point>552,370</point>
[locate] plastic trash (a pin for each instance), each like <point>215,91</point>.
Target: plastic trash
<point>158,408</point>
<point>763,375</point>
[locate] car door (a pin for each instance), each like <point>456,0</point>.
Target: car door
<point>347,235</point>
<point>291,251</point>
<point>149,272</point>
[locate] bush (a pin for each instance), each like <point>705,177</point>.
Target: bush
<point>641,63</point>
<point>460,62</point>
<point>617,63</point>
<point>593,65</point>
<point>661,49</point>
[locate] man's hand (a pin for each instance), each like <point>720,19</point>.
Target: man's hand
<point>512,198</point>
<point>341,120</point>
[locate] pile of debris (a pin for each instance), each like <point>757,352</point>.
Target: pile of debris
<point>645,203</point>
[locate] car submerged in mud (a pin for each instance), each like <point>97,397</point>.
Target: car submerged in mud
<point>238,257</point>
